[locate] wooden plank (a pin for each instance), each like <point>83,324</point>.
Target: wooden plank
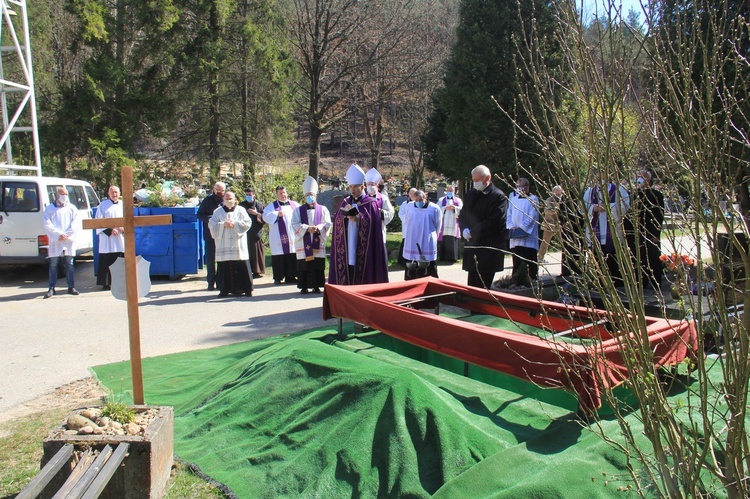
<point>90,474</point>
<point>572,330</point>
<point>42,479</point>
<point>139,221</point>
<point>107,471</point>
<point>418,299</point>
<point>81,467</point>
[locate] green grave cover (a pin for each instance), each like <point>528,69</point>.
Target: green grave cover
<point>307,415</point>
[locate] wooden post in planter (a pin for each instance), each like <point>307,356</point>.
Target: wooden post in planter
<point>130,222</point>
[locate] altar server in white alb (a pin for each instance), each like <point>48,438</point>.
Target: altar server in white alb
<point>62,225</point>
<point>229,224</point>
<point>373,181</point>
<point>111,241</point>
<point>522,221</point>
<point>420,246</point>
<point>450,232</point>
<point>278,216</point>
<point>311,223</point>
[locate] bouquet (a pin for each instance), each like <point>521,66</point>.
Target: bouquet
<point>676,260</point>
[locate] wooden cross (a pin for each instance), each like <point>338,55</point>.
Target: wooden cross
<point>130,222</point>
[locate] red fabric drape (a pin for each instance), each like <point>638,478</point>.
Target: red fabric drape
<point>586,369</point>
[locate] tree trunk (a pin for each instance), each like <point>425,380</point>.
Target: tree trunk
<point>315,133</point>
<point>214,118</point>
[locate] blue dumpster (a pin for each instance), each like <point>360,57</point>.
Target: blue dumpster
<point>173,250</point>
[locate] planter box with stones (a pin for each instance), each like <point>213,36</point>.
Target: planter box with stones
<point>147,468</point>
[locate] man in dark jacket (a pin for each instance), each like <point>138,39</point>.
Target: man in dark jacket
<point>255,243</point>
<point>205,210</point>
<point>483,223</point>
<point>643,230</point>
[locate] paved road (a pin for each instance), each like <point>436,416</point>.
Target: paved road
<point>49,343</point>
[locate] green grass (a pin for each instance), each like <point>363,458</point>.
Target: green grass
<point>21,451</point>
<point>21,454</point>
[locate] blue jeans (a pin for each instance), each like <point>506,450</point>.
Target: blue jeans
<point>54,262</point>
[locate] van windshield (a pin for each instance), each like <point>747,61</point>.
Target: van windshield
<point>19,197</point>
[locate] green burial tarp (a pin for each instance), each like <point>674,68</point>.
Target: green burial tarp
<point>308,415</point>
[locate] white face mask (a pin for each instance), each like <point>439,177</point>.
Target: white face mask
<point>372,189</point>
<point>479,186</point>
<point>229,203</point>
<point>63,199</point>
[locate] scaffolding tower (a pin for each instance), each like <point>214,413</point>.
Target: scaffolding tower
<point>17,98</point>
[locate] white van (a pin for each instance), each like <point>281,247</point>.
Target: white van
<point>22,203</point>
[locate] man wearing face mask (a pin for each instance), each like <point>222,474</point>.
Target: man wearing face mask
<point>357,248</point>
<point>450,232</point>
<point>205,211</point>
<point>643,231</point>
<point>111,241</point>
<point>420,245</point>
<point>228,225</point>
<point>255,244</point>
<point>523,232</point>
<point>311,223</point>
<point>483,223</point>
<point>372,187</point>
<point>62,225</point>
<point>278,216</point>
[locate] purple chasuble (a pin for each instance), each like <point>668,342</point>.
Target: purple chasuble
<point>312,242</point>
<point>371,263</point>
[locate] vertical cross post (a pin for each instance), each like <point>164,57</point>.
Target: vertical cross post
<point>129,222</point>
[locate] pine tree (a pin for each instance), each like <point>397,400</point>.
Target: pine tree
<point>481,86</point>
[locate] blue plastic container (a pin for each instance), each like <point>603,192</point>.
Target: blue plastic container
<point>173,250</point>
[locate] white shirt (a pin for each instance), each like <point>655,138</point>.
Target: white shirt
<point>450,218</point>
<point>271,217</point>
<point>59,220</point>
<point>231,243</point>
<point>300,229</point>
<point>112,243</point>
<point>424,225</point>
<point>523,213</point>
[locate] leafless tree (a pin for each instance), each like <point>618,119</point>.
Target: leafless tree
<point>690,126</point>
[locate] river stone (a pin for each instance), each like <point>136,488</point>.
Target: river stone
<point>76,422</point>
<point>86,430</point>
<point>90,414</point>
<point>132,429</point>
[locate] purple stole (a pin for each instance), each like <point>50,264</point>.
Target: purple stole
<point>595,229</point>
<point>312,242</point>
<point>458,228</point>
<point>282,229</point>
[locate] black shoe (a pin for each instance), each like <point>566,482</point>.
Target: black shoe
<point>304,291</point>
<point>211,286</point>
<point>223,294</point>
<point>49,294</point>
<point>106,287</point>
<point>277,282</point>
<point>257,276</point>
<point>317,290</point>
<point>249,294</point>
<point>73,291</point>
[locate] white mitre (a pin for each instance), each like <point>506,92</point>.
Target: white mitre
<point>310,185</point>
<point>373,175</point>
<point>355,175</point>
